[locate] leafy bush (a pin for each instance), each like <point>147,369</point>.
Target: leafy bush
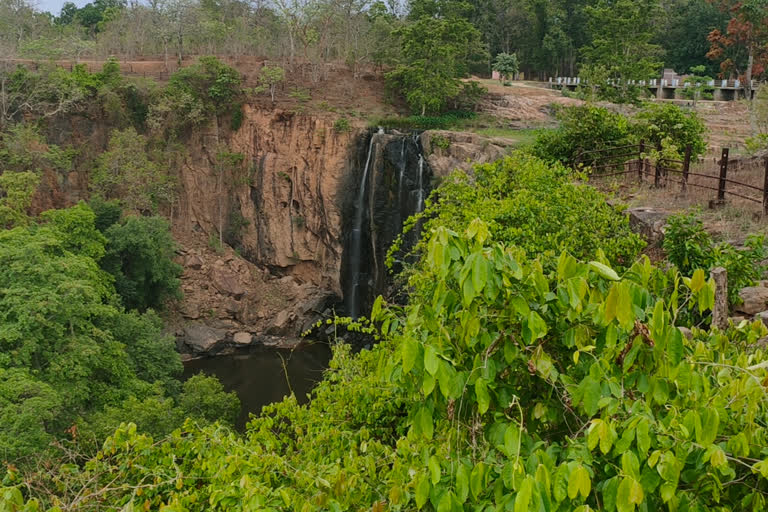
<point>582,128</point>
<point>126,172</point>
<point>139,254</point>
<point>441,142</point>
<point>500,387</point>
<point>689,247</point>
<point>756,144</point>
<point>194,94</point>
<point>658,121</point>
<point>203,399</point>
<point>506,65</point>
<point>469,96</point>
<point>341,125</point>
<point>528,203</point>
<point>237,118</point>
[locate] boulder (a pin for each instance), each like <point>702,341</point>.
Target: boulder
<point>648,223</point>
<point>282,322</point>
<point>762,316</point>
<point>233,307</point>
<point>201,338</point>
<point>194,262</point>
<point>227,283</point>
<point>242,338</point>
<point>190,310</point>
<point>754,300</point>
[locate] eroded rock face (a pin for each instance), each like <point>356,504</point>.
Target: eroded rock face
<point>282,207</point>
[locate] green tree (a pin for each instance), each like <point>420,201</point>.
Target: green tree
<point>683,34</point>
<point>16,192</point>
<point>139,255</point>
<point>195,94</point>
<point>506,65</point>
<point>269,78</point>
<point>126,172</point>
<point>203,399</point>
<point>437,48</point>
<point>621,33</point>
<point>657,122</point>
<point>698,85</point>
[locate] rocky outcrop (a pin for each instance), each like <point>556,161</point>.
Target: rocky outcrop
<point>197,339</point>
<point>239,301</point>
<point>754,299</point>
<point>447,151</point>
<point>648,222</point>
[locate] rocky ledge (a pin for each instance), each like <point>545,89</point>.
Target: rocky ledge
<point>197,339</point>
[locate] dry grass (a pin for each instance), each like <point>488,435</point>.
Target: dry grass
<point>731,221</point>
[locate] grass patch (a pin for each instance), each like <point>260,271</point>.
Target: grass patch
<point>522,137</point>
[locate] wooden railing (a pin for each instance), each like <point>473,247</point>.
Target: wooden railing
<point>632,160</point>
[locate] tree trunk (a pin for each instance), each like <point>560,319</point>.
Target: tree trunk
<point>748,75</point>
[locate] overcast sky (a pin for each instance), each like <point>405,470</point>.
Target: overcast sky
<point>54,6</point>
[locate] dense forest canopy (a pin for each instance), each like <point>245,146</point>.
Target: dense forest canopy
<point>550,37</point>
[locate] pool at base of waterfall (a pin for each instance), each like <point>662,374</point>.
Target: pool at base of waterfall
<point>261,376</point>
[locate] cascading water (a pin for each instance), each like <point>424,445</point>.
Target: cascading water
<point>393,185</point>
<point>401,175</point>
<point>356,243</point>
<point>420,192</point>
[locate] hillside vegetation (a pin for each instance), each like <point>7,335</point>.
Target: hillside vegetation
<point>517,378</point>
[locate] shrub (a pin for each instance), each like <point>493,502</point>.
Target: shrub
<point>342,125</point>
<point>530,204</point>
<point>441,142</point>
<point>203,398</point>
<point>126,172</point>
<point>690,247</point>
<point>195,93</point>
<point>470,95</point>
<point>582,128</point>
<point>756,144</point>
<point>656,122</point>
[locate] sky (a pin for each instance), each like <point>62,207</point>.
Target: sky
<point>54,6</point>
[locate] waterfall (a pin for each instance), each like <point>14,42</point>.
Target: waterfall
<point>420,193</point>
<point>394,184</point>
<point>401,176</point>
<point>356,245</point>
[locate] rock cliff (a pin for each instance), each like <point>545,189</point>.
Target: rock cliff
<point>282,192</point>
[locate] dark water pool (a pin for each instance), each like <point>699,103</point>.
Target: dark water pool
<point>258,376</point>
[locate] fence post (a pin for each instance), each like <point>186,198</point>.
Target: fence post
<point>657,175</point>
<point>641,150</point>
<point>720,310</point>
<point>765,188</point>
<point>686,167</point>
<point>723,175</point>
